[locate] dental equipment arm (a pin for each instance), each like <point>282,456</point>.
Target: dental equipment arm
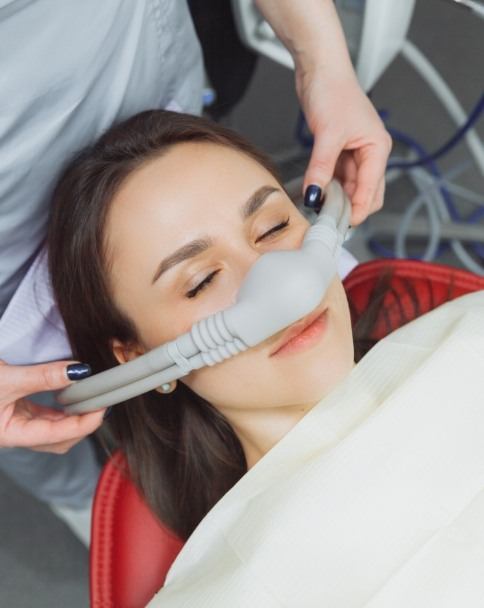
<point>265,305</point>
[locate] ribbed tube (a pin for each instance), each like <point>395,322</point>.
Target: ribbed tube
<point>214,340</point>
<point>326,237</point>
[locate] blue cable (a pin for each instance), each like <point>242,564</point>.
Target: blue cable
<point>425,158</point>
<point>453,141</point>
<point>473,218</point>
<point>422,153</point>
<point>434,170</point>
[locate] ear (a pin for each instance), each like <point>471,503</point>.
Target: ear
<point>125,352</point>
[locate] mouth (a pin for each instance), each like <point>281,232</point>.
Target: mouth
<point>302,333</point>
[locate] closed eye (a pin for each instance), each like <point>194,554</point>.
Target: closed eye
<point>209,278</point>
<point>280,226</point>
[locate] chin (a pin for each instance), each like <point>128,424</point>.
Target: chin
<point>317,381</point>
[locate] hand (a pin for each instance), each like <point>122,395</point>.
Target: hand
<point>25,424</point>
<point>350,140</point>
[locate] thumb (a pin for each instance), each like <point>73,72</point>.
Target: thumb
<point>324,155</point>
<point>28,379</point>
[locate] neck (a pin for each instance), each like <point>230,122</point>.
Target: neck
<point>259,430</point>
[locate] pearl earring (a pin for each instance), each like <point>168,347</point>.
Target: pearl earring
<point>168,387</point>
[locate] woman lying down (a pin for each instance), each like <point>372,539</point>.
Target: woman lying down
<point>298,477</point>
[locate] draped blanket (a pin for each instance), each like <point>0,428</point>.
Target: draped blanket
<point>374,499</point>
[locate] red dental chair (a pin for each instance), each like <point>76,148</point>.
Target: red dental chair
<point>131,551</point>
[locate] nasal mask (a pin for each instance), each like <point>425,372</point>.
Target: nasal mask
<point>280,288</point>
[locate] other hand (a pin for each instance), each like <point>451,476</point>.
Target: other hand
<point>25,424</point>
<point>350,140</point>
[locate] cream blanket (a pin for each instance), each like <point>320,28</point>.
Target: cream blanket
<point>374,499</point>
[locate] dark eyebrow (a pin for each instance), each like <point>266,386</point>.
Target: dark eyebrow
<point>198,246</point>
<point>257,200</point>
<point>186,252</point>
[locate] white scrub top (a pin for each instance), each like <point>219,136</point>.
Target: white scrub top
<point>69,69</point>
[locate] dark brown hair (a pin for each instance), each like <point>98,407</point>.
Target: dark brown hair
<point>181,452</point>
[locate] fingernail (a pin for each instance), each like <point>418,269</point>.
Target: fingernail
<point>108,412</point>
<point>312,196</point>
<point>78,371</point>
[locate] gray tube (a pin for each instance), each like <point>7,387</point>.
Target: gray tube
<point>152,362</point>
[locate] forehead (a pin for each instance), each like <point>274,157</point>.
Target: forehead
<point>189,186</point>
<point>200,168</point>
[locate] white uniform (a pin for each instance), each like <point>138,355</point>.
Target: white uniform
<point>69,69</point>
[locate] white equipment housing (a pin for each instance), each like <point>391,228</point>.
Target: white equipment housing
<point>375,31</point>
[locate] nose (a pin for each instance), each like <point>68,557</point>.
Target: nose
<point>242,260</point>
<point>245,255</point>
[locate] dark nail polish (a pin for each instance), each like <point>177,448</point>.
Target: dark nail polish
<point>78,371</point>
<point>108,412</point>
<point>312,197</point>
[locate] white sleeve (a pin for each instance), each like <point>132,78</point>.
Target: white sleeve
<point>31,329</point>
<point>67,73</point>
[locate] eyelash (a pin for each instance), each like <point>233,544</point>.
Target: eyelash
<point>209,278</point>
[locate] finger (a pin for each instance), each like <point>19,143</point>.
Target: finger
<point>27,409</point>
<point>39,431</point>
<point>346,171</point>
<point>371,161</point>
<point>24,380</point>
<point>326,149</point>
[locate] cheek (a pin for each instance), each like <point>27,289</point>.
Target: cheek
<point>233,383</point>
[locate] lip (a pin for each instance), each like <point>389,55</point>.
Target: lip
<point>297,329</point>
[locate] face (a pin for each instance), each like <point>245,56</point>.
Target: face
<point>194,197</point>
